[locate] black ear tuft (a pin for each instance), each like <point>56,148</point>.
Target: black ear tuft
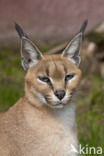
<point>20,31</point>
<point>83,27</point>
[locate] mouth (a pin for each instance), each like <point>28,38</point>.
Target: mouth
<point>58,105</point>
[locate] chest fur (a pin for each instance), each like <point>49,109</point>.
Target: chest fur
<point>50,136</point>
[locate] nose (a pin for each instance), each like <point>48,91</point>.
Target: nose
<point>60,94</point>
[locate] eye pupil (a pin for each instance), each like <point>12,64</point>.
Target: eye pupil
<point>44,79</point>
<point>69,77</point>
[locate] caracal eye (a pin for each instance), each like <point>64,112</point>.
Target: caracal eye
<point>44,79</point>
<point>69,77</point>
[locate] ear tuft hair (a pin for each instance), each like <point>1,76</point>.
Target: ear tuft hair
<point>20,31</point>
<point>84,25</point>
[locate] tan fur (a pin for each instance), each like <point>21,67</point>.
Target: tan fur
<point>33,127</point>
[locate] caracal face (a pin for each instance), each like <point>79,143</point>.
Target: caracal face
<point>53,80</point>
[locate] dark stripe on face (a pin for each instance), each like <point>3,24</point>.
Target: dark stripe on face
<point>47,72</point>
<point>51,86</point>
<point>65,69</point>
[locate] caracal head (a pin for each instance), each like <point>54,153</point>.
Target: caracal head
<point>51,79</point>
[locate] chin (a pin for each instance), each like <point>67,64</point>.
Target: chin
<point>55,106</point>
<point>60,105</point>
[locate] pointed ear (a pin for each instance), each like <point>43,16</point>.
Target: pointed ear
<point>30,54</point>
<point>72,51</point>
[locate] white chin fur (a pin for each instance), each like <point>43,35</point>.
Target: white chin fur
<point>59,106</point>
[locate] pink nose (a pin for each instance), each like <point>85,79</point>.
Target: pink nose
<point>60,94</point>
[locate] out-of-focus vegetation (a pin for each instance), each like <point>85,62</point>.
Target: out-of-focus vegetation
<point>90,114</point>
<point>90,107</point>
<point>11,78</point>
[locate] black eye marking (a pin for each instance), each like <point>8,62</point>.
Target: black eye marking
<point>44,79</point>
<point>69,77</point>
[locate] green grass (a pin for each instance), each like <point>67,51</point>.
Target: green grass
<point>90,108</point>
<point>11,78</point>
<point>91,115</point>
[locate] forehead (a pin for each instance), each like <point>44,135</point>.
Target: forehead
<point>55,66</point>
